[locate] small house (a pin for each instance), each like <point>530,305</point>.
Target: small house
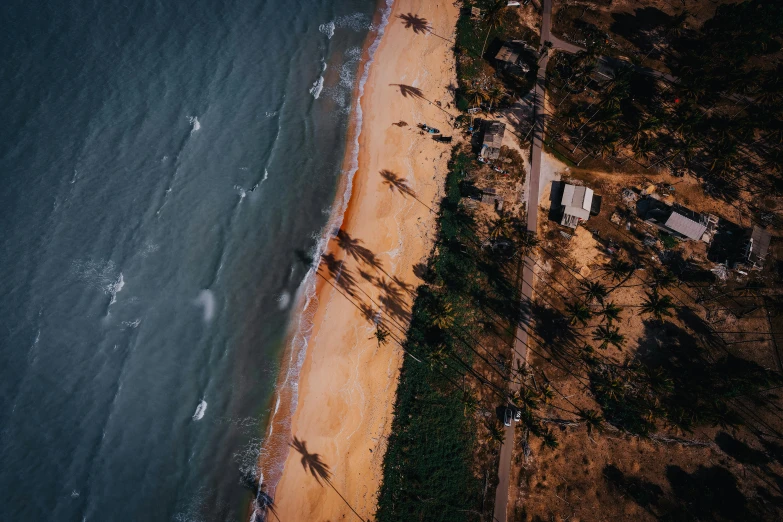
<point>757,247</point>
<point>475,13</point>
<point>493,140</point>
<point>678,221</point>
<point>577,203</point>
<point>509,58</point>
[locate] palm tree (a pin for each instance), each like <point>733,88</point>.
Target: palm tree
<point>608,335</point>
<point>612,388</point>
<point>593,290</point>
<point>492,19</point>
<point>469,402</point>
<point>548,439</point>
<point>578,312</point>
<point>381,335</point>
<point>610,312</point>
<point>618,269</point>
<point>592,419</point>
<point>501,226</point>
<point>663,279</point>
<point>547,394</point>
<point>657,305</point>
<point>494,434</point>
<point>437,356</point>
<point>495,95</point>
<point>443,317</point>
<point>526,398</point>
<point>476,94</point>
<point>527,242</point>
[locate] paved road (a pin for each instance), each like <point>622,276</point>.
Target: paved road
<point>520,343</point>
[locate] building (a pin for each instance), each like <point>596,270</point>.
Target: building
<point>757,247</point>
<point>493,140</point>
<point>577,203</point>
<point>509,58</point>
<point>678,221</point>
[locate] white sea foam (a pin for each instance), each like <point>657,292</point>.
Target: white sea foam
<point>194,123</point>
<point>283,300</point>
<point>131,324</point>
<point>266,175</point>
<point>201,409</point>
<point>149,248</point>
<point>317,87</point>
<point>270,114</point>
<point>327,29</point>
<point>276,443</point>
<point>101,275</point>
<point>116,288</point>
<point>75,176</point>
<point>242,192</point>
<point>355,22</point>
<point>206,300</point>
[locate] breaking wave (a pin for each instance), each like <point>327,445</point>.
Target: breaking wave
<point>275,446</point>
<point>317,87</point>
<point>201,409</point>
<point>194,123</point>
<point>327,29</point>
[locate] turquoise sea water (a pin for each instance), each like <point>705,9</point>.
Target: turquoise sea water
<point>164,167</point>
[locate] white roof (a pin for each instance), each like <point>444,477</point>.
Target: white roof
<point>577,201</point>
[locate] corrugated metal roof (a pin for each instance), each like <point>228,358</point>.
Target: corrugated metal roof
<point>507,54</point>
<point>685,226</point>
<point>578,197</point>
<point>760,239</point>
<point>568,195</point>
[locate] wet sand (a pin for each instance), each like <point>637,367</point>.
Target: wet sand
<point>347,381</point>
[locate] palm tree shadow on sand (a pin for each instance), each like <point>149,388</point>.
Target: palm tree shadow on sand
<point>394,182</point>
<point>318,469</point>
<point>419,25</point>
<point>415,22</point>
<point>409,91</point>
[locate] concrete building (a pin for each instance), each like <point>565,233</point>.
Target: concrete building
<point>576,202</point>
<point>493,140</point>
<point>509,58</point>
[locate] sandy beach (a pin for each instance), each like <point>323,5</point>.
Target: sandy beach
<point>347,381</point>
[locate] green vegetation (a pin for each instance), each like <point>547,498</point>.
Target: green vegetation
<point>429,464</point>
<point>476,79</point>
<point>718,117</point>
<point>668,240</point>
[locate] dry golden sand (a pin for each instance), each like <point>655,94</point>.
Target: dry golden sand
<point>347,383</point>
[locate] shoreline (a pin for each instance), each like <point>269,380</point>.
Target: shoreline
<point>276,436</point>
<point>338,388</point>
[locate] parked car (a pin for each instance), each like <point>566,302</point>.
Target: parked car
<point>507,417</point>
<point>517,415</point>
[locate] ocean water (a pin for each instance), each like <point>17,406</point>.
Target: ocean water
<point>166,169</point>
